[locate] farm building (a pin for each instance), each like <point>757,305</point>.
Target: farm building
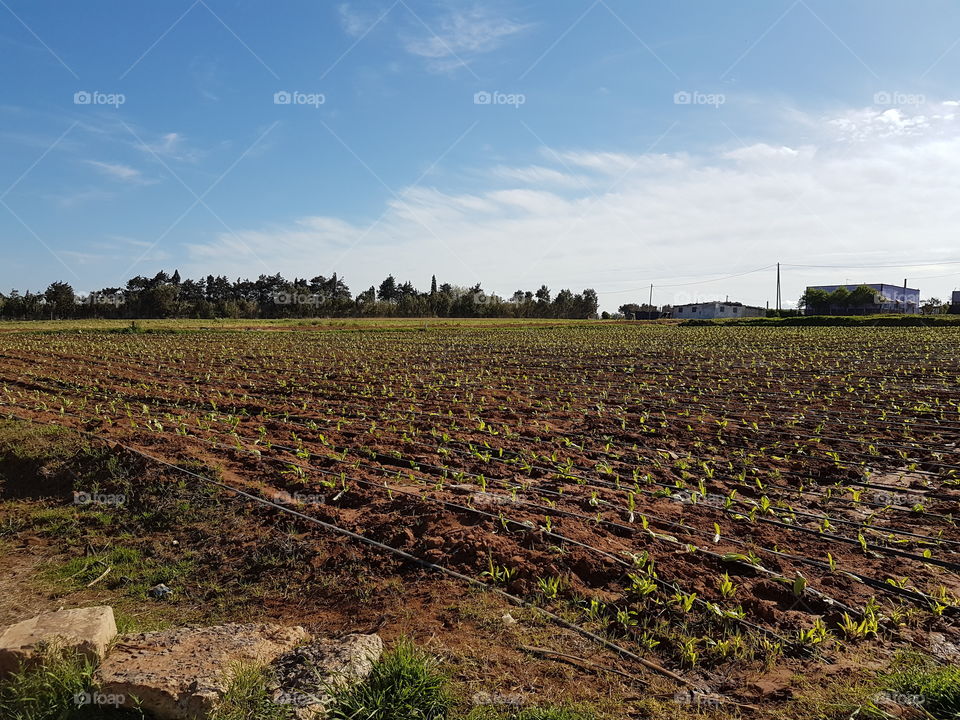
<point>955,303</point>
<point>889,299</point>
<point>716,310</point>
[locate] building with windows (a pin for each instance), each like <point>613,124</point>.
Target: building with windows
<point>888,299</point>
<point>716,310</point>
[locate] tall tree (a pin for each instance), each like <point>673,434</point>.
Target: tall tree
<point>61,300</point>
<point>388,289</point>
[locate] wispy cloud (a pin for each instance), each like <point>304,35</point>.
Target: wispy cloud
<point>206,78</point>
<point>460,35</point>
<point>538,175</point>
<point>122,173</point>
<point>77,198</point>
<point>353,22</point>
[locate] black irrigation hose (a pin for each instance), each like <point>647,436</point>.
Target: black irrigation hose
<point>829,601</point>
<point>920,597</point>
<point>679,418</point>
<point>841,538</point>
<point>475,385</point>
<point>786,488</point>
<point>859,526</point>
<point>386,548</point>
<point>870,582</point>
<point>674,585</point>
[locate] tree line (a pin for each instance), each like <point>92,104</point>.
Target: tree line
<point>273,296</point>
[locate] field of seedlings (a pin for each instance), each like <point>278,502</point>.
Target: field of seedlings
<point>700,498</point>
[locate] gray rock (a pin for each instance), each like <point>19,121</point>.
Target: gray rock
<point>305,676</point>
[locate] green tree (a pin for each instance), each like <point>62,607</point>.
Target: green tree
<point>840,298</point>
<point>815,300</point>
<point>61,300</point>
<point>863,296</point>
<point>388,289</point>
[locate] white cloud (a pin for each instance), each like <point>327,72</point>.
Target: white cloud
<point>538,175</point>
<point>76,198</point>
<point>460,35</point>
<point>763,153</point>
<point>123,173</point>
<point>354,23</point>
<point>171,146</point>
<point>617,165</point>
<point>851,195</point>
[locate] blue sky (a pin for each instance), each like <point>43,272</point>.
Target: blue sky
<point>623,143</point>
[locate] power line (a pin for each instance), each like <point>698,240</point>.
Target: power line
<point>890,265</point>
<point>707,279</point>
<point>695,282</point>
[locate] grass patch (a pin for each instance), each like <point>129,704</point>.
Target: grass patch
<point>47,691</point>
<point>405,685</point>
<point>918,679</point>
<point>248,697</point>
<point>38,443</point>
<point>55,688</point>
<point>129,570</point>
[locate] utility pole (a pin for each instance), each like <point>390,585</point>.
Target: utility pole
<point>778,289</point>
<point>905,296</point>
<point>650,303</point>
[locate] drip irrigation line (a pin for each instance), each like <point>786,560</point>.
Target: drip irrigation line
<point>399,553</point>
<point>871,582</point>
<point>820,534</point>
<point>526,526</point>
<point>523,525</point>
<point>777,398</point>
<point>680,418</point>
<point>788,489</point>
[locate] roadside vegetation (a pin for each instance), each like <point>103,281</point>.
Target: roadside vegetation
<point>852,321</point>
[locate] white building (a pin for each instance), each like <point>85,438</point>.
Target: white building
<point>716,310</point>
